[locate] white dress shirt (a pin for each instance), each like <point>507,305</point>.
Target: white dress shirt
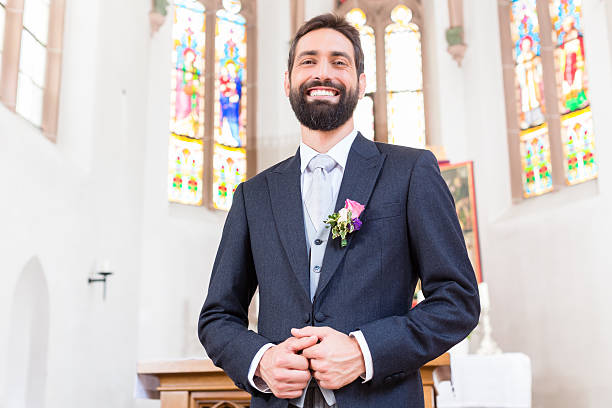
<point>339,152</point>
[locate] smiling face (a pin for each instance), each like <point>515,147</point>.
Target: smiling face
<point>323,86</point>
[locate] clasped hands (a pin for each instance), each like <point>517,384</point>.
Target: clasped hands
<point>332,357</point>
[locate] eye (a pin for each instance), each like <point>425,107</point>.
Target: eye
<point>339,62</point>
<point>307,61</point>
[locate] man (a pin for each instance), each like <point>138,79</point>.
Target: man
<point>335,324</point>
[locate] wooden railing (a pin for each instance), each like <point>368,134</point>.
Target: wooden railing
<point>200,384</point>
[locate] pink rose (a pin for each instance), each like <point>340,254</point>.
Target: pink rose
<point>355,207</point>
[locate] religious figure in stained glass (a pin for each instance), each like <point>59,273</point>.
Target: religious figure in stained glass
<point>230,50</point>
<point>185,152</point>
<point>526,37</point>
<point>187,102</point>
<point>405,103</point>
<point>569,54</point>
<point>534,141</point>
<point>576,118</point>
<point>229,162</point>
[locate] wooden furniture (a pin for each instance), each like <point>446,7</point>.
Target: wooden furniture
<point>199,384</point>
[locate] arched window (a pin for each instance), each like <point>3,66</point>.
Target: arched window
<point>550,133</point>
<point>31,34</point>
<point>211,133</point>
<point>394,104</point>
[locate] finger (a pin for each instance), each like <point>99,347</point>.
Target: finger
<point>296,344</point>
<point>320,332</point>
<point>315,351</point>
<point>293,362</point>
<point>318,365</point>
<point>297,378</point>
<point>286,379</point>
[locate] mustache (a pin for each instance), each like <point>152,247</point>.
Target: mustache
<point>329,84</point>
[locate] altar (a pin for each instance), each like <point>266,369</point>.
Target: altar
<point>200,384</point>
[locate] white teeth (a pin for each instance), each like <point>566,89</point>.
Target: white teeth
<point>321,92</point>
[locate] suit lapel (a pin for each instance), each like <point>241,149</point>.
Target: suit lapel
<point>286,199</point>
<point>362,168</point>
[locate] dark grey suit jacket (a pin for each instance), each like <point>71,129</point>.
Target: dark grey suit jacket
<point>410,231</point>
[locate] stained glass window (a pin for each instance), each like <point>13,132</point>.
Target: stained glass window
<point>405,104</point>
<point>187,84</point>
<point>572,89</point>
<point>229,166</point>
<point>364,112</point>
<point>185,161</point>
<point>534,141</point>
<point>229,170</point>
<point>33,60</point>
<point>185,170</point>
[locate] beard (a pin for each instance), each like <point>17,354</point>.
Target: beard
<point>319,114</point>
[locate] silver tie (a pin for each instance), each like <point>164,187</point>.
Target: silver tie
<point>320,195</point>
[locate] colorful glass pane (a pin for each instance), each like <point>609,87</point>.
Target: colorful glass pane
<point>368,44</point>
<point>406,119</point>
<point>363,117</point>
<point>230,82</point>
<point>229,170</point>
<point>187,78</point>
<point>579,146</point>
<point>185,170</point>
<point>526,39</point>
<point>569,54</point>
<point>535,153</point>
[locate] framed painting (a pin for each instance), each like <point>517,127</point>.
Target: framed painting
<point>460,180</point>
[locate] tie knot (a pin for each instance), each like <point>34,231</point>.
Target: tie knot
<point>321,161</point>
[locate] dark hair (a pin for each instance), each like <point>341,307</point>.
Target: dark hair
<point>334,22</point>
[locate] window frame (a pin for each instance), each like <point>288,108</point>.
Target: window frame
<point>552,113</point>
<point>249,12</point>
<point>378,16</point>
<point>10,62</point>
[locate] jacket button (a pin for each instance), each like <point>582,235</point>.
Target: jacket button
<point>319,317</point>
<point>307,318</point>
<point>318,241</point>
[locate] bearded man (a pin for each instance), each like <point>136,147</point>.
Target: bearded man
<point>335,326</point>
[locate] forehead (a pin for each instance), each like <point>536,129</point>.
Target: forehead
<point>325,41</point>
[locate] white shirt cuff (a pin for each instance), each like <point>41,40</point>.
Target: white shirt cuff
<point>367,357</point>
<point>258,383</point>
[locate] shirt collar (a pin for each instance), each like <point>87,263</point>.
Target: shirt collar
<point>339,152</point>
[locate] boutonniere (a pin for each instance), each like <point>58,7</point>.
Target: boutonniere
<point>345,221</point>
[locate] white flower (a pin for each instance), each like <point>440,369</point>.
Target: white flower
<point>343,215</point>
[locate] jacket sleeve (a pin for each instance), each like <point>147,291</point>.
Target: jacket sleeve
<point>400,345</point>
<point>223,324</point>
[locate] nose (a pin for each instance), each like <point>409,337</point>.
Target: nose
<point>323,71</point>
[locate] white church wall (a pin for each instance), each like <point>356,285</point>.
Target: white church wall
<point>179,243</point>
<point>76,202</point>
<point>544,258</point>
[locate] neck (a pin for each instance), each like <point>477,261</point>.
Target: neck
<point>322,141</point>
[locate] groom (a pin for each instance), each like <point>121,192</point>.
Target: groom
<point>335,327</point>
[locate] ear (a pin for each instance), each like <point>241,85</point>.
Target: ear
<point>287,84</point>
<point>362,85</point>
